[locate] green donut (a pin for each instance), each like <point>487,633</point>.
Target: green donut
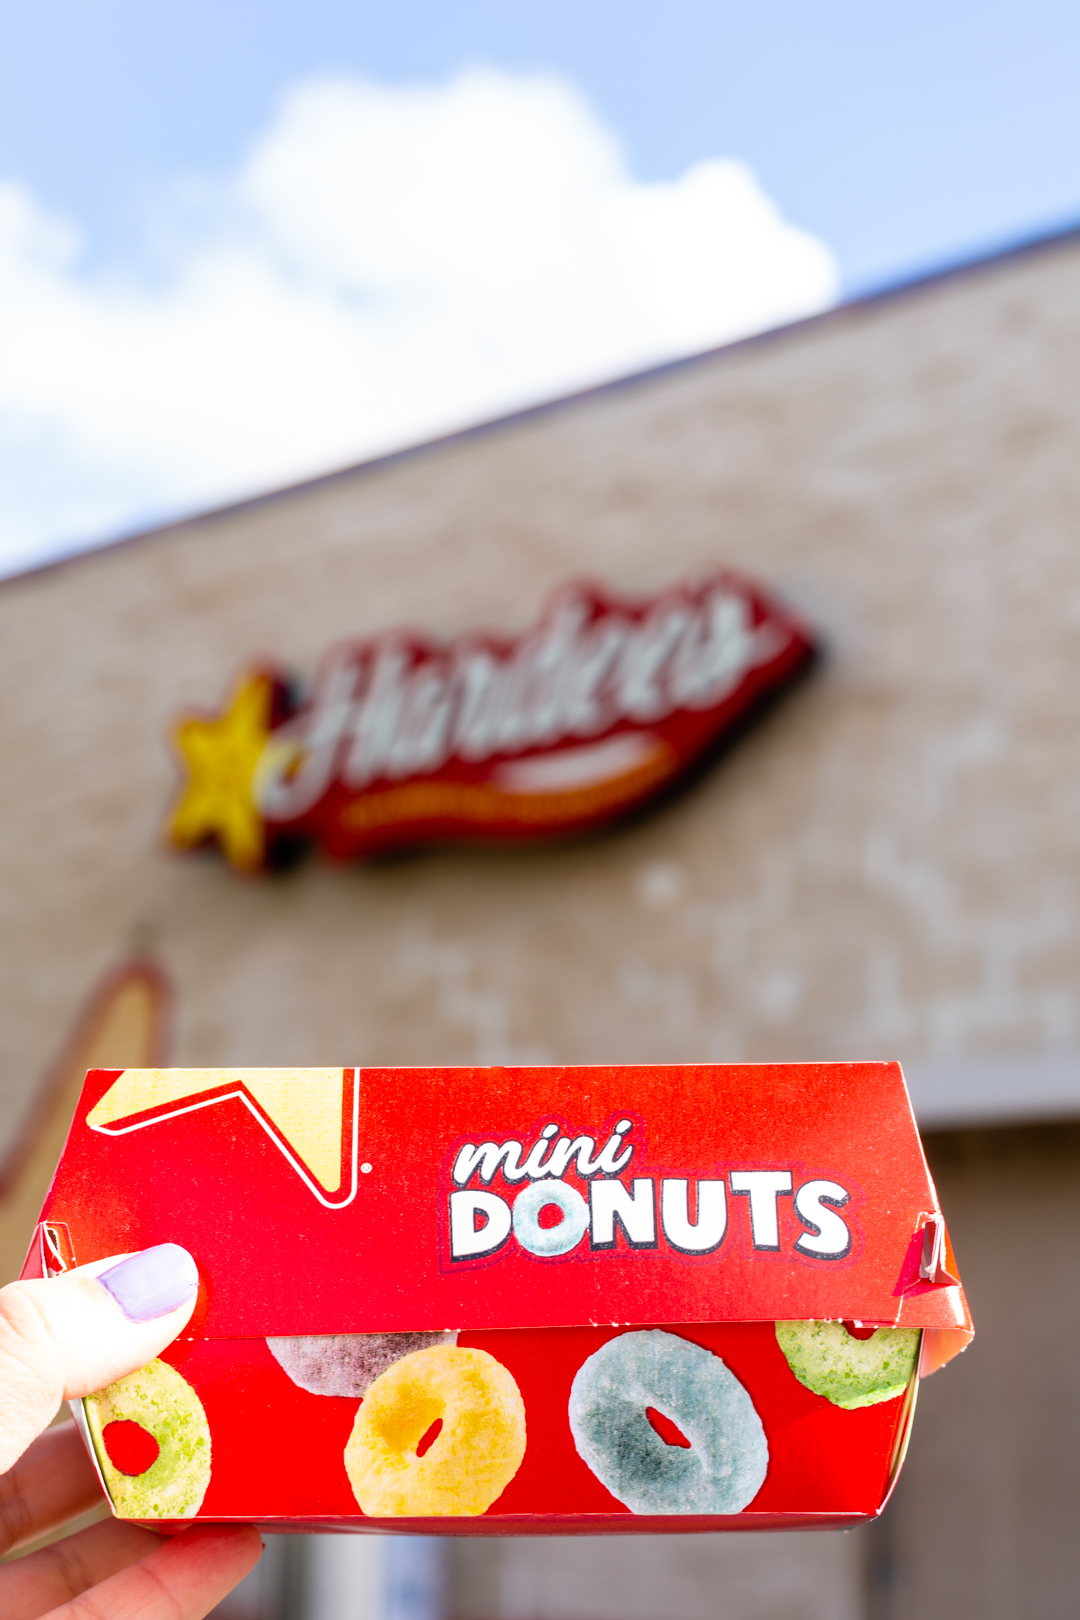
<point>165,1405</point>
<point>849,1372</point>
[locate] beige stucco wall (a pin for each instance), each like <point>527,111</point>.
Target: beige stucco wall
<point>888,867</point>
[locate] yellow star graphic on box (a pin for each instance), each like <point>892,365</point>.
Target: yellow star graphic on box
<point>221,756</point>
<point>304,1108</point>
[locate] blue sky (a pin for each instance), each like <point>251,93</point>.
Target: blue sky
<point>901,134</point>
<point>144,150</point>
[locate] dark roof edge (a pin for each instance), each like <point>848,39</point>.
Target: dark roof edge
<point>890,292</point>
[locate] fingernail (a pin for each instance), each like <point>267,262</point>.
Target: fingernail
<point>152,1283</point>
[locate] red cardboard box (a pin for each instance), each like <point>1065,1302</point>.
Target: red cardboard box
<point>528,1300</point>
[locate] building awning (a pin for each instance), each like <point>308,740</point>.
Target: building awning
<point>950,1093</point>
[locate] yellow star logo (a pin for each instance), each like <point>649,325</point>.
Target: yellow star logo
<point>221,756</point>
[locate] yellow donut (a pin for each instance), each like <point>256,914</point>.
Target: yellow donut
<point>165,1405</point>
<point>473,1458</point>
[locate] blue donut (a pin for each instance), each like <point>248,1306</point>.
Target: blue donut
<point>727,1460</point>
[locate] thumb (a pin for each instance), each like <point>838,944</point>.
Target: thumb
<point>66,1336</point>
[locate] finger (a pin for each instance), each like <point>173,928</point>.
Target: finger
<point>182,1579</point>
<point>53,1482</point>
<point>50,1578</point>
<point>69,1335</point>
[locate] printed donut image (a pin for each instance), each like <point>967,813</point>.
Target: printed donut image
<point>397,1471</point>
<point>848,1371</point>
<point>172,1483</point>
<point>724,1466</point>
<point>346,1363</point>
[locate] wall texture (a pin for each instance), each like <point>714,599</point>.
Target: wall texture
<point>889,866</point>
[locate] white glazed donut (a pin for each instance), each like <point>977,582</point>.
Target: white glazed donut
<point>728,1457</point>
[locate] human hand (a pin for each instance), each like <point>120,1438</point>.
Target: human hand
<point>66,1337</point>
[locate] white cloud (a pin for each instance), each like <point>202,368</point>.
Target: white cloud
<point>385,265</point>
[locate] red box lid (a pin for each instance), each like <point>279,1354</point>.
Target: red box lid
<point>380,1200</point>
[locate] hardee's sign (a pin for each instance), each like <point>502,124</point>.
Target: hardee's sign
<point>401,740</point>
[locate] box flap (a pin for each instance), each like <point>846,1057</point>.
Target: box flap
<point>380,1200</point>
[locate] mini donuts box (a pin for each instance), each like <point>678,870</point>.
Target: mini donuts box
<point>515,1300</point>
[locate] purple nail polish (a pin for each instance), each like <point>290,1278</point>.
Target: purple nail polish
<point>152,1283</point>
